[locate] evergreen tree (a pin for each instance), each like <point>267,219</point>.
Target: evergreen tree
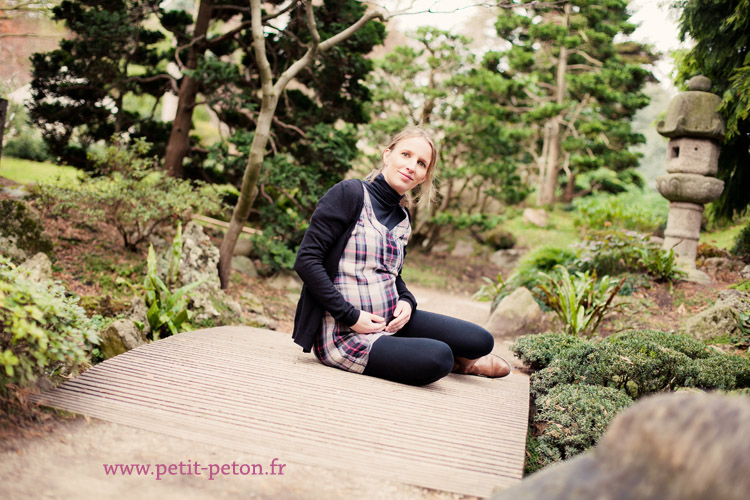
<point>578,87</point>
<point>721,30</point>
<point>80,88</point>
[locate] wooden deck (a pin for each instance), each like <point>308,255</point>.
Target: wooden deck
<point>255,390</point>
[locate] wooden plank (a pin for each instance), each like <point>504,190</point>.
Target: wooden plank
<point>254,390</point>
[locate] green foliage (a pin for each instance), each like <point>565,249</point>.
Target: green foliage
<point>542,259</point>
<point>79,88</point>
<point>718,372</point>
<point>612,251</point>
<point>574,417</point>
<point>490,289</point>
<point>133,197</point>
<point>539,350</point>
<point>604,180</point>
<point>662,265</point>
<point>741,246</point>
<point>580,301</point>
<point>632,210</point>
<point>43,330</point>
<point>720,31</point>
<point>167,310</point>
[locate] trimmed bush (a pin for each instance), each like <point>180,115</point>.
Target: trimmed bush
<point>538,351</point>
<point>718,371</point>
<point>741,246</point>
<point>43,330</point>
<point>574,417</point>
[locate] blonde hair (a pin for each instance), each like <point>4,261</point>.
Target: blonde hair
<point>424,194</point>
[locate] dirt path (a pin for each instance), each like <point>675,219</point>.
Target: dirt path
<point>69,461</point>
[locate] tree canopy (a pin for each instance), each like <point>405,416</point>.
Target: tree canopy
<point>721,31</point>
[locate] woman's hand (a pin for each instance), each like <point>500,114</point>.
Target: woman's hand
<point>369,323</point>
<point>401,316</point>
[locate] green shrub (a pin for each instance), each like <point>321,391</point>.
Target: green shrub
<point>612,251</point>
<point>720,371</point>
<point>662,265</point>
<point>539,350</point>
<point>132,195</point>
<point>741,246</point>
<point>574,417</point>
<point>43,330</point>
<point>27,146</point>
<point>542,259</point>
<point>580,301</point>
<point>633,210</point>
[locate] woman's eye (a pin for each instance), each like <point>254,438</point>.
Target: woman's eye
<point>404,153</point>
<point>422,164</point>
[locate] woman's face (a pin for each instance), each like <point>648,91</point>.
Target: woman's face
<point>406,164</point>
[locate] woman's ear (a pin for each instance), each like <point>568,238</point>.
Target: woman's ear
<point>386,155</point>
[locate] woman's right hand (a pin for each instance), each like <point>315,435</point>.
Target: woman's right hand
<point>369,323</point>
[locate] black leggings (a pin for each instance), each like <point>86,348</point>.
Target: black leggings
<point>423,350</point>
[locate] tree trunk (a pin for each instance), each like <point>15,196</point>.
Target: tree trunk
<point>551,161</point>
<point>3,112</point>
<point>179,137</point>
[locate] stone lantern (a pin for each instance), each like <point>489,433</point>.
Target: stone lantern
<point>695,131</point>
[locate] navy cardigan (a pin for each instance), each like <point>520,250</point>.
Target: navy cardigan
<point>318,258</point>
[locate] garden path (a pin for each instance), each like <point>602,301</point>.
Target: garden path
<point>71,461</point>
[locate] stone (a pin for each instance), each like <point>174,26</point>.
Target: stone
<point>720,319</point>
<point>119,337</point>
<point>462,248</point>
<point>252,303</point>
<point>243,247</point>
<point>683,231</point>
<point>675,446</point>
<point>17,192</point>
<point>441,248</point>
<point>690,155</point>
<point>499,239</point>
<point>286,280</point>
<point>507,259</point>
<point>517,314</point>
<point>244,265</point>
<point>38,268</point>
<point>536,216</point>
<point>745,272</point>
<point>693,114</point>
<point>22,229</point>
<point>714,265</point>
<point>690,188</point>
<point>137,312</point>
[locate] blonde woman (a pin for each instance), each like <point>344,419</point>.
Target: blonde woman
<point>355,312</point>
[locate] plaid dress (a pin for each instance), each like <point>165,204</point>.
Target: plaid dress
<point>366,277</point>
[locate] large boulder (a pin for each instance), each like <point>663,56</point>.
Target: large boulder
<point>119,337</point>
<point>536,216</point>
<point>507,259</point>
<point>21,232</point>
<point>678,446</point>
<point>517,314</point>
<point>720,319</point>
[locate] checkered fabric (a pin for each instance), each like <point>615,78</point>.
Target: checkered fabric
<point>366,277</point>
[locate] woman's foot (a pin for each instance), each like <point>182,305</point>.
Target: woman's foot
<point>491,365</point>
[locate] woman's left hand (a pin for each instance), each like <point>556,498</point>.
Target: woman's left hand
<point>401,316</point>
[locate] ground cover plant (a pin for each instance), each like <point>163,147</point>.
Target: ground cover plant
<point>579,385</point>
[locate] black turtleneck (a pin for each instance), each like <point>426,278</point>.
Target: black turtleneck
<point>386,202</point>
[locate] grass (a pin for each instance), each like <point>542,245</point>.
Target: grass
<point>25,171</point>
<point>723,237</point>
<point>560,231</point>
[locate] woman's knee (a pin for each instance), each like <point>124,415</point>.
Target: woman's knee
<point>435,364</point>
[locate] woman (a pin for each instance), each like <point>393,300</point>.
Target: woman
<point>355,311</point>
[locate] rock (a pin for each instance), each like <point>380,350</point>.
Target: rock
<point>286,280</point>
<point>535,216</point>
<point>21,231</point>
<point>244,265</point>
<point>38,268</point>
<point>719,319</point>
<point>499,239</point>
<point>441,248</point>
<point>17,192</point>
<point>745,273</point>
<point>678,446</point>
<point>119,337</point>
<point>507,259</point>
<point>252,303</point>
<point>243,247</point>
<point>462,248</point>
<point>137,312</point>
<point>517,314</point>
<point>715,265</point>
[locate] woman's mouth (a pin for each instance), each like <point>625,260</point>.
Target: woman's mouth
<point>405,176</point>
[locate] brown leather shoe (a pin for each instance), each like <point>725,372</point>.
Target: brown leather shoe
<point>491,365</point>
